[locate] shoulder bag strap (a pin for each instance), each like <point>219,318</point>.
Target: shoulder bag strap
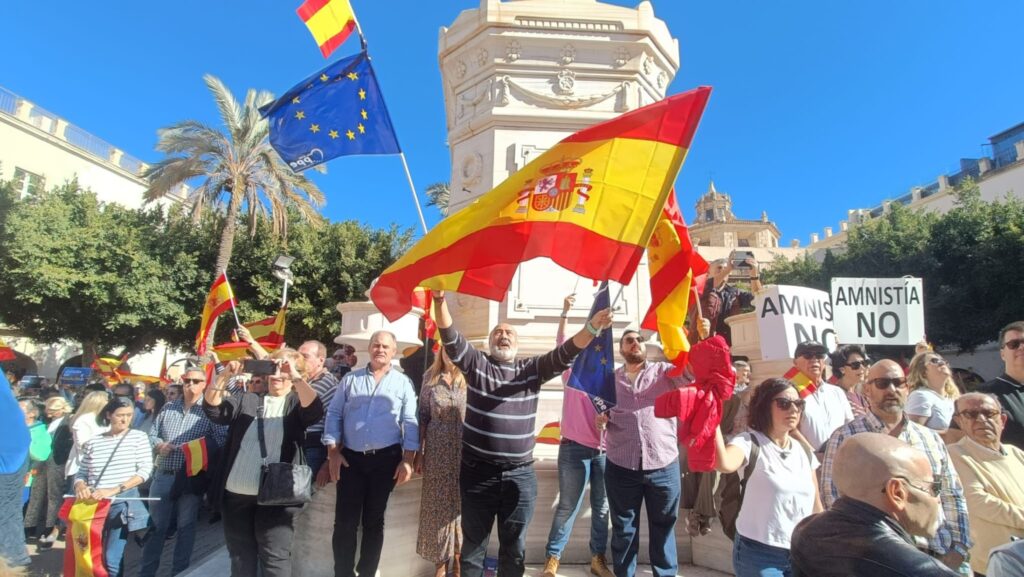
<point>111,457</point>
<point>755,449</point>
<point>259,429</point>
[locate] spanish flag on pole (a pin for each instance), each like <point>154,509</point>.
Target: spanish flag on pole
<point>219,300</point>
<point>590,203</point>
<point>268,332</point>
<point>83,553</point>
<point>550,434</point>
<point>329,21</point>
<point>196,456</point>
<point>673,264</point>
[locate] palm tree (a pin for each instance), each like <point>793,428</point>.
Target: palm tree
<point>238,169</point>
<point>439,195</point>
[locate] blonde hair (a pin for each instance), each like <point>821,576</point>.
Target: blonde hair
<point>92,404</point>
<point>440,366</point>
<point>58,404</point>
<point>918,376</point>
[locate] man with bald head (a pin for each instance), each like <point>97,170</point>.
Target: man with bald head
<point>886,392</point>
<point>498,436</point>
<point>888,495</point>
<point>992,473</point>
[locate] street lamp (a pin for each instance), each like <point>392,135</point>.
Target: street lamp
<point>282,269</point>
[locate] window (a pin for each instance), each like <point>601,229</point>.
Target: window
<point>709,214</point>
<point>27,183</point>
<point>744,242</point>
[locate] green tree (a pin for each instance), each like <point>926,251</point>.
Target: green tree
<point>439,194</point>
<point>238,169</point>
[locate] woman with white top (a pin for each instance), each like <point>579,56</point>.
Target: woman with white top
<point>932,394</point>
<point>782,488</point>
<point>84,426</point>
<point>113,465</point>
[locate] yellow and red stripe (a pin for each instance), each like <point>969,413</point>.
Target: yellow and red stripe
<point>219,300</point>
<point>6,352</point>
<point>550,434</point>
<point>197,459</point>
<point>83,553</point>
<point>628,165</point>
<point>268,332</point>
<point>804,385</point>
<point>329,21</point>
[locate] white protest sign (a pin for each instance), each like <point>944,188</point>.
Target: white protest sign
<point>878,311</point>
<point>790,315</point>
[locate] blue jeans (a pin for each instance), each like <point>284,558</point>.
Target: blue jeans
<point>315,458</point>
<point>12,529</point>
<point>658,490</point>
<point>488,491</point>
<point>576,465</point>
<point>115,538</point>
<point>185,509</point>
<point>755,559</point>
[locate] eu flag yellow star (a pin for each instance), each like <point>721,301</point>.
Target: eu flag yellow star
<point>300,115</point>
<point>604,360</point>
<point>597,348</point>
<point>362,129</point>
<point>363,114</point>
<point>324,78</point>
<point>315,128</point>
<point>353,76</point>
<point>333,134</point>
<point>351,135</point>
<point>295,100</point>
<point>362,94</point>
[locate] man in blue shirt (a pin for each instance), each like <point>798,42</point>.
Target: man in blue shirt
<point>371,436</point>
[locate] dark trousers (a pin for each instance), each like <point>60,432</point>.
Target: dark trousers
<point>490,492</point>
<point>12,530</point>
<point>658,491</point>
<point>363,491</point>
<point>258,535</point>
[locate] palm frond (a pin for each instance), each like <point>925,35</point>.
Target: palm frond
<point>230,111</point>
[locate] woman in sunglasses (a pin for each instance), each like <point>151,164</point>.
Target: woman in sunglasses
<point>782,487</point>
<point>933,394</point>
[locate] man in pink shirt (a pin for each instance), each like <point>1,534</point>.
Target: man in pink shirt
<point>581,459</point>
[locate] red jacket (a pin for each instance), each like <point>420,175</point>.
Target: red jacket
<point>699,407</point>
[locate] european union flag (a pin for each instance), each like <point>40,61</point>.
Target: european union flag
<point>593,372</point>
<point>336,112</point>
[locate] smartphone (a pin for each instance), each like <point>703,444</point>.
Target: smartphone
<point>740,257</point>
<point>258,367</point>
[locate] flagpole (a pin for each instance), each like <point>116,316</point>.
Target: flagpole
<point>622,287</point>
<point>232,301</point>
<point>284,294</point>
<point>415,197</point>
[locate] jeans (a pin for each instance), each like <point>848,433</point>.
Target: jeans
<point>315,458</point>
<point>185,509</point>
<point>363,491</point>
<point>489,491</point>
<point>12,531</point>
<point>258,535</point>
<point>115,538</point>
<point>578,464</point>
<point>658,490</point>
<point>755,559</point>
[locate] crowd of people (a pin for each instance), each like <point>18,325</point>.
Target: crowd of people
<point>875,469</point>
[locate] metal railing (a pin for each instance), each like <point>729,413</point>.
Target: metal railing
<point>8,102</point>
<point>88,142</point>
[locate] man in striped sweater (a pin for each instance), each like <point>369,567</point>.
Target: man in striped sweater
<point>496,476</point>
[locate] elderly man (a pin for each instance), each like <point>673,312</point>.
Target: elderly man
<point>992,473</point>
<point>314,353</point>
<point>720,300</point>
<point>888,494</point>
<point>371,436</point>
<point>180,422</point>
<point>886,391</point>
<point>827,408</point>
<point>1009,387</point>
<point>498,436</point>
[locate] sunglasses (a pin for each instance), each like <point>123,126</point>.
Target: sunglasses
<point>933,488</point>
<point>937,361</point>
<point>812,356</point>
<point>1013,344</point>
<point>784,404</point>
<point>973,414</point>
<point>883,383</point>
<point>631,340</point>
<point>193,381</point>
<point>858,365</point>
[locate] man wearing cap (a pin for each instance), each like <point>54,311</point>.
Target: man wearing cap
<point>827,408</point>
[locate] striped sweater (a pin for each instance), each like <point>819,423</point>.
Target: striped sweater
<point>134,457</point>
<point>501,400</point>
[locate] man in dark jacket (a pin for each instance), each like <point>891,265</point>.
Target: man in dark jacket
<point>888,494</point>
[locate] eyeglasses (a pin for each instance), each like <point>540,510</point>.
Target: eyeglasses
<point>857,365</point>
<point>812,356</point>
<point>1013,344</point>
<point>631,340</point>
<point>193,381</point>
<point>883,383</point>
<point>784,404</point>
<point>937,361</point>
<point>933,488</point>
<point>974,414</point>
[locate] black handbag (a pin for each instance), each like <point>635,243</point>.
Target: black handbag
<point>282,484</point>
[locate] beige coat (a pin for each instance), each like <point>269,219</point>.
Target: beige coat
<point>994,487</point>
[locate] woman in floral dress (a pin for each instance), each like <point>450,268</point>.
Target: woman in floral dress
<point>442,408</point>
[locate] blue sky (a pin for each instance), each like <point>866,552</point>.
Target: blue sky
<point>818,106</point>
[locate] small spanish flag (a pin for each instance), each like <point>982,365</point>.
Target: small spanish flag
<point>220,299</point>
<point>83,553</point>
<point>6,352</point>
<point>196,456</point>
<point>329,21</point>
<point>550,434</point>
<point>804,385</point>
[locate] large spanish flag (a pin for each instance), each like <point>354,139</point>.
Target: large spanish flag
<point>83,553</point>
<point>329,21</point>
<point>219,300</point>
<point>673,264</point>
<point>589,203</point>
